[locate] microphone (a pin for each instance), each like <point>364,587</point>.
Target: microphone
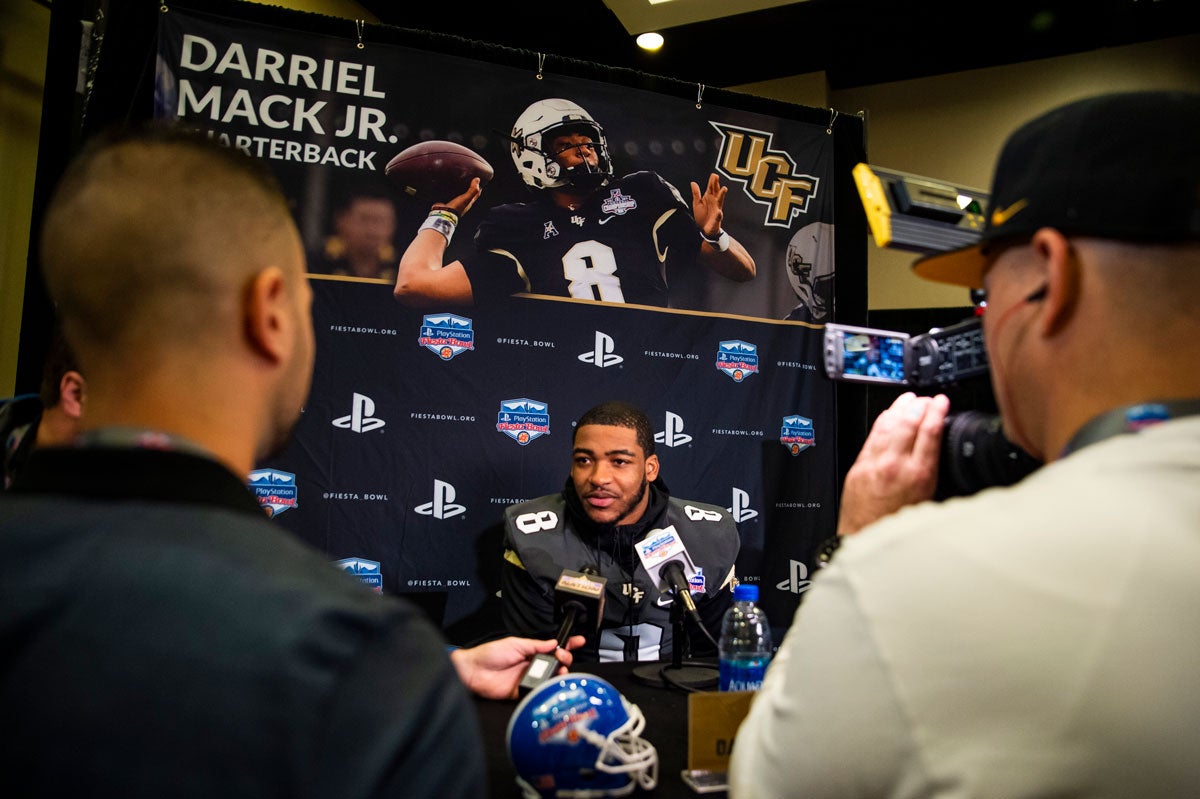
<point>578,600</point>
<point>666,560</point>
<point>673,573</point>
<point>669,565</point>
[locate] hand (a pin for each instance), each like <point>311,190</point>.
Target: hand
<point>898,464</point>
<point>463,202</point>
<point>708,208</point>
<point>494,670</point>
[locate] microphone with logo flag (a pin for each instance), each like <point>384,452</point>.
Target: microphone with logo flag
<point>578,600</point>
<point>666,560</point>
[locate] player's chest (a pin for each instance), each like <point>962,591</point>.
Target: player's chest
<point>610,217</point>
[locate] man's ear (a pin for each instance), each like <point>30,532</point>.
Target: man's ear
<point>1060,264</point>
<point>71,391</point>
<point>267,316</point>
<point>652,467</point>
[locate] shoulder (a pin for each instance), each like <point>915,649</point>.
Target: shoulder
<point>647,182</point>
<point>538,515</point>
<point>643,178</point>
<point>709,529</point>
<point>220,563</point>
<point>501,214</point>
<point>700,513</point>
<point>504,221</point>
<point>537,503</point>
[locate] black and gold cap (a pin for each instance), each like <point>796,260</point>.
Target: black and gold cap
<point>1122,166</point>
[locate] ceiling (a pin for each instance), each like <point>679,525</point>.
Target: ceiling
<point>855,42</point>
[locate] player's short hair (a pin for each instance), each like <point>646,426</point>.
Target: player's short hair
<point>616,413</point>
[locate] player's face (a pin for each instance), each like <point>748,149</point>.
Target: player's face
<point>611,472</point>
<point>367,225</point>
<point>573,149</point>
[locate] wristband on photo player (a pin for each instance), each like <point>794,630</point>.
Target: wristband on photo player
<point>720,243</point>
<point>443,220</point>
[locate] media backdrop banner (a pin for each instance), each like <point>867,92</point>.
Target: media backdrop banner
<point>423,424</point>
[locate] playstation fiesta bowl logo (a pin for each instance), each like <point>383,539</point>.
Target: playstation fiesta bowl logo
<point>446,335</point>
<point>523,420</point>
<point>738,359</point>
<point>275,491</point>
<point>368,571</point>
<point>797,434</point>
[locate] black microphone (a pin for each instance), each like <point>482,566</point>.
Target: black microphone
<point>578,600</point>
<point>666,560</point>
<point>669,565</point>
<point>672,571</point>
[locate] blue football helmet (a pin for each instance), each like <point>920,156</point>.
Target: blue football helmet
<point>577,736</point>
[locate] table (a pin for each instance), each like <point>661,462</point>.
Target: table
<point>664,707</point>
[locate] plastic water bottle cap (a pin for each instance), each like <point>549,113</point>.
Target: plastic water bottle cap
<point>745,593</point>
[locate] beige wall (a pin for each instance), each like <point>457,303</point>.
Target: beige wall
<point>24,30</point>
<point>952,127</point>
<point>948,127</point>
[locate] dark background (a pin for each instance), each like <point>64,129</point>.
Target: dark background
<point>855,42</point>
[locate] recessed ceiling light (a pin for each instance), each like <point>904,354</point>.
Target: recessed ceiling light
<point>650,41</point>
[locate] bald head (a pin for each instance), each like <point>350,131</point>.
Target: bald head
<point>151,236</point>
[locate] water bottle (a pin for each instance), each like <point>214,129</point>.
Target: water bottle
<point>745,645</point>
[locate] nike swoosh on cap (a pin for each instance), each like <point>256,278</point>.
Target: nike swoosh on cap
<point>1001,215</point>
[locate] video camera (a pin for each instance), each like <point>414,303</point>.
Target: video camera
<point>923,215</point>
<point>942,356</point>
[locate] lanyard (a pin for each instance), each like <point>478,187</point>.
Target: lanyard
<point>1129,419</point>
<point>139,438</point>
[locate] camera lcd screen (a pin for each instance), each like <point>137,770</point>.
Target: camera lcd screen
<point>867,355</point>
<point>873,355</point>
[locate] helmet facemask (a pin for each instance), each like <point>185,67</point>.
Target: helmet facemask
<point>530,146</point>
<point>583,176</point>
<point>810,267</point>
<point>576,737</point>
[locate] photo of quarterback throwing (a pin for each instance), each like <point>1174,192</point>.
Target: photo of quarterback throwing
<point>586,233</point>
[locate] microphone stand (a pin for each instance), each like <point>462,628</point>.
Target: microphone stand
<point>686,675</point>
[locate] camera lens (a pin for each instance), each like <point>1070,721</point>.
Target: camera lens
<point>976,455</point>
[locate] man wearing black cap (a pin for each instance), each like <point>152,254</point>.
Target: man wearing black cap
<point>1034,640</point>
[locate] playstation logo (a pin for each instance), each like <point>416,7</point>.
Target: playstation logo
<point>741,510</point>
<point>443,505</point>
<point>604,353</point>
<point>362,416</point>
<point>673,435</point>
<point>797,582</point>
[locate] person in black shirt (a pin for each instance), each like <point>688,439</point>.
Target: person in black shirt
<point>613,501</point>
<point>49,418</point>
<point>159,635</point>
